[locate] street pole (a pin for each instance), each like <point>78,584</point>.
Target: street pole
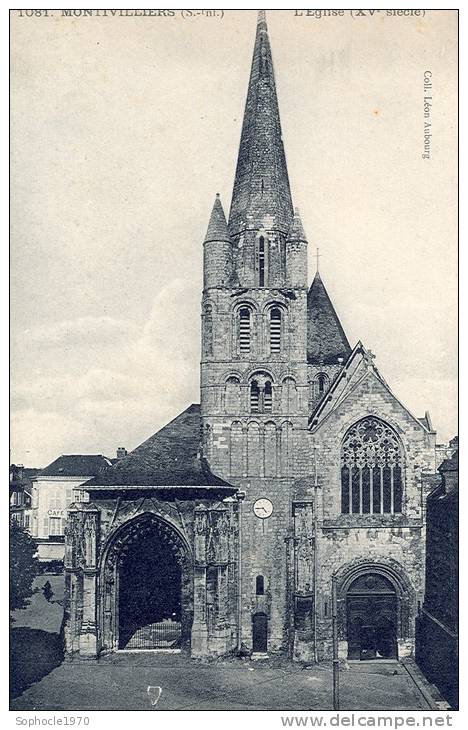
<point>336,661</point>
<point>240,496</point>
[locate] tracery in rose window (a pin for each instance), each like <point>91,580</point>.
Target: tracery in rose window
<point>371,469</point>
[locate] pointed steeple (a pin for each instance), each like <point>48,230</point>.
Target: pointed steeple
<point>217,227</point>
<point>326,340</point>
<point>217,250</point>
<point>296,231</point>
<point>261,195</point>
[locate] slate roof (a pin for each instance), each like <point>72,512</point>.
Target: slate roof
<point>169,458</point>
<point>261,185</point>
<point>76,465</point>
<point>296,231</point>
<point>326,340</point>
<point>217,227</point>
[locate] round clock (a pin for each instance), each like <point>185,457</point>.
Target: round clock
<point>263,508</point>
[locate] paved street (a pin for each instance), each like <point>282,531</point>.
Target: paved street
<point>121,682</point>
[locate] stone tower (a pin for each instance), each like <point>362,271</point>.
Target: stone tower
<point>254,373</point>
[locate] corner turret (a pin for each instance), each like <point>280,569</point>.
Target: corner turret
<point>217,250</point>
<point>296,253</point>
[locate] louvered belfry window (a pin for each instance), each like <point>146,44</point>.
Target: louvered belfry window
<point>244,330</point>
<point>261,395</point>
<point>275,331</point>
<point>254,397</point>
<point>371,469</point>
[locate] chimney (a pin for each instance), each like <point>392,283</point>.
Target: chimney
<point>121,452</point>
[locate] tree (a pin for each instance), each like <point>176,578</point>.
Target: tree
<point>24,566</point>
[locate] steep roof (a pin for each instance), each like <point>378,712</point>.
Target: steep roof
<point>296,230</point>
<point>76,465</point>
<point>169,458</point>
<point>326,340</point>
<point>217,227</point>
<point>261,185</point>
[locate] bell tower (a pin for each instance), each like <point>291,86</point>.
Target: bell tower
<point>254,386</point>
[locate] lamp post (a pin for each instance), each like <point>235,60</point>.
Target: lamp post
<point>336,661</point>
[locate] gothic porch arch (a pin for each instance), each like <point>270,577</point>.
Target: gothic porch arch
<point>393,572</point>
<point>120,542</point>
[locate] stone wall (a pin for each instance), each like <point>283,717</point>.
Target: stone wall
<point>203,534</point>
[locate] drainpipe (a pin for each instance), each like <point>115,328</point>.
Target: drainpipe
<point>240,496</point>
<point>336,661</point>
<point>315,551</point>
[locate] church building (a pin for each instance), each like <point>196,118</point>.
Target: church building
<point>298,484</point>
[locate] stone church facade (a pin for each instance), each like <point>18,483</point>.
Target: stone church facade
<point>298,482</point>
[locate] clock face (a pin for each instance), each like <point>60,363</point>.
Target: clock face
<point>263,508</point>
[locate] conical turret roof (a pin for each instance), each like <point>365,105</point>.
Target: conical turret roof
<point>217,227</point>
<point>326,340</point>
<point>261,195</point>
<point>296,231</point>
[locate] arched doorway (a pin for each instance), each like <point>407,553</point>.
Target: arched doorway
<point>147,588</point>
<point>260,633</point>
<point>371,612</point>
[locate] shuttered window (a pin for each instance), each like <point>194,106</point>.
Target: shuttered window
<point>254,397</point>
<point>275,331</point>
<point>244,330</point>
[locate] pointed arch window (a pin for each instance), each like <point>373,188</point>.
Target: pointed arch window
<point>275,331</point>
<point>245,330</point>
<point>371,469</point>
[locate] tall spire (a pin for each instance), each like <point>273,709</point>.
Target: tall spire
<point>261,195</point>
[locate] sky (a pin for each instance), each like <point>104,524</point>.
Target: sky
<point>123,131</point>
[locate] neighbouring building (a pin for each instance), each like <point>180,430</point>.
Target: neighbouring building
<point>54,489</point>
<point>437,624</point>
<point>299,479</point>
<point>20,494</point>
<point>445,451</point>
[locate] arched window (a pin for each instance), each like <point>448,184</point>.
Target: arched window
<point>261,394</point>
<point>237,449</point>
<point>259,585</point>
<point>275,331</point>
<point>261,261</point>
<point>289,395</point>
<point>371,469</point>
<point>271,449</point>
<point>232,395</point>
<point>320,385</point>
<point>244,330</point>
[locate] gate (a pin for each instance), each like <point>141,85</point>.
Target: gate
<point>160,635</point>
